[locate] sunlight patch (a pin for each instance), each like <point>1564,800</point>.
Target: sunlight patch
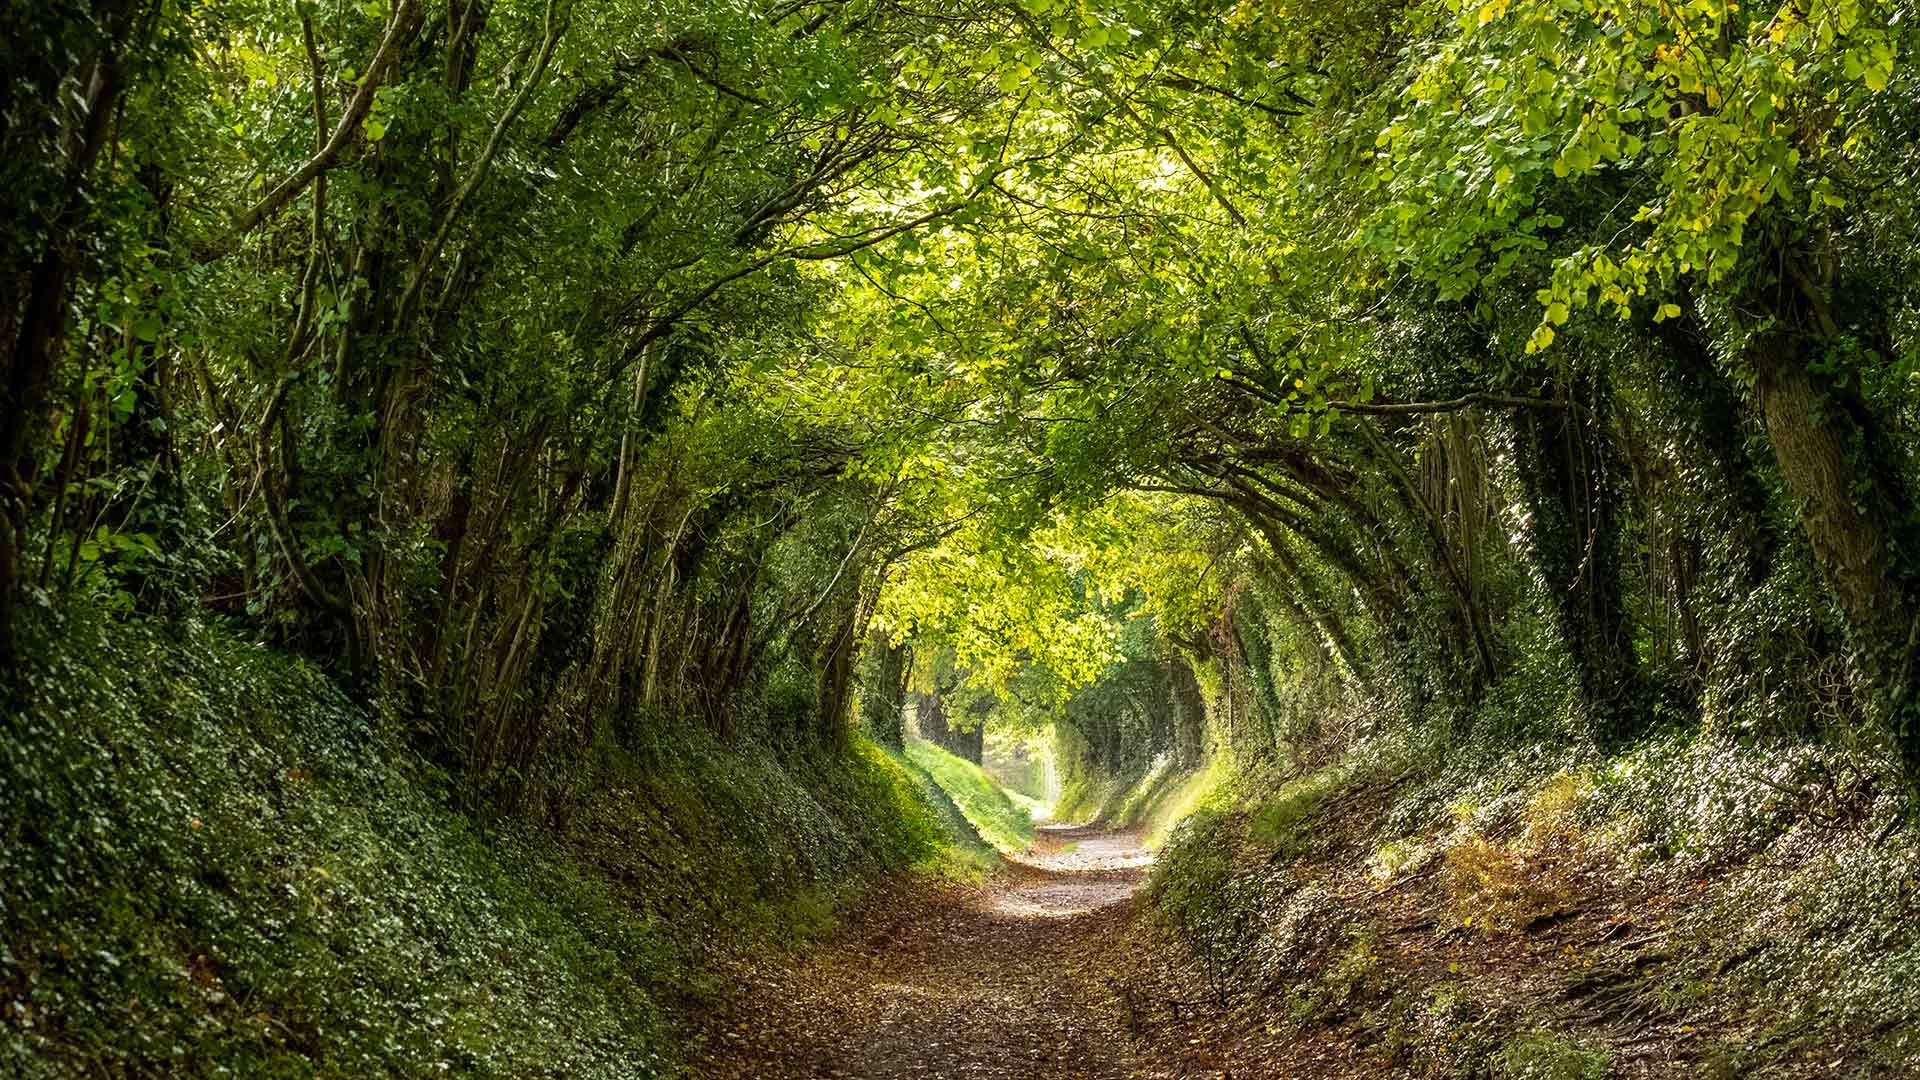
<point>1061,900</point>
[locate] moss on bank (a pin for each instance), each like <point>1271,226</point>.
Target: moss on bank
<point>1004,824</point>
<point>1688,906</point>
<point>213,863</point>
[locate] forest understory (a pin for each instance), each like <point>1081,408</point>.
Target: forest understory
<point>1517,949</point>
<point>577,538</point>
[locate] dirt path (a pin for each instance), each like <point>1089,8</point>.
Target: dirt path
<point>999,981</point>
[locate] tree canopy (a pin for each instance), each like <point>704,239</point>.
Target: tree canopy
<point>557,368</point>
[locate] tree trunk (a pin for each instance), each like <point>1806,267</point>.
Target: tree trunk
<point>36,317</point>
<point>971,742</point>
<point>1854,506</point>
<point>836,680</point>
<point>1568,472</point>
<point>1707,398</point>
<point>885,700</point>
<point>930,719</point>
<point>1189,715</point>
<point>936,727</point>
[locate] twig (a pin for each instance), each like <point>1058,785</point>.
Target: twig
<point>406,19</point>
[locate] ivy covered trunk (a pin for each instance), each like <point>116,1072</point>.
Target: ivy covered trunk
<point>1569,470</point>
<point>936,726</point>
<point>884,698</point>
<point>1189,714</point>
<point>836,680</point>
<point>1858,514</point>
<point>65,71</point>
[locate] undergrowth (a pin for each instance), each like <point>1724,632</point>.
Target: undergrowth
<point>1003,823</point>
<point>1754,898</point>
<point>213,864</point>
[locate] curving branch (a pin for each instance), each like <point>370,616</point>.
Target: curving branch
<point>407,19</point>
<point>553,28</point>
<point>1413,408</point>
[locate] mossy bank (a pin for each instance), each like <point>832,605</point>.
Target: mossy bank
<point>215,864</point>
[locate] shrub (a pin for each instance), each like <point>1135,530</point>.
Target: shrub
<point>214,863</point>
<point>1278,824</point>
<point>1542,1055</point>
<point>1495,887</point>
<point>1195,889</point>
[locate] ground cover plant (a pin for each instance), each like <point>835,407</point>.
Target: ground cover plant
<point>525,509</point>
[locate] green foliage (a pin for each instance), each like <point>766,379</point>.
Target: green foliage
<point>1085,793</point>
<point>1351,981</point>
<point>1200,892</point>
<point>216,851</point>
<point>274,898</point>
<point>965,854</point>
<point>1262,400</point>
<point>1524,95</point>
<point>1004,824</point>
<point>1022,764</point>
<point>1456,1033</point>
<point>1542,1055</point>
<point>1282,821</point>
<point>1160,807</point>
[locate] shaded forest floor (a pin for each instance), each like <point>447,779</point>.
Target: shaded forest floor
<point>1001,979</point>
<point>1513,952</point>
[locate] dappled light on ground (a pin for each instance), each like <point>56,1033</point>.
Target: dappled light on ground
<point>1054,900</point>
<point>1072,870</point>
<point>1001,980</point>
<point>1085,849</point>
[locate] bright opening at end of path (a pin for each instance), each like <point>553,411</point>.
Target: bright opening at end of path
<point>1074,870</point>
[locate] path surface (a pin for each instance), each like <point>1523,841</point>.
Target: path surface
<point>998,981</point>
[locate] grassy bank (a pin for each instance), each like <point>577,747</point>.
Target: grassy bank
<point>1154,799</point>
<point>1688,907</point>
<point>1003,823</point>
<point>215,864</point>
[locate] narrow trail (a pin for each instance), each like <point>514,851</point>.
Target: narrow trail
<point>995,981</point>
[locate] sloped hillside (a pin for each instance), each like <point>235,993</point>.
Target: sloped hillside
<point>215,864</point>
<point>1688,908</point>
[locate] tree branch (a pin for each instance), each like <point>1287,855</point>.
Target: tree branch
<point>1408,408</point>
<point>705,76</point>
<point>406,20</point>
<point>1195,86</point>
<point>555,25</point>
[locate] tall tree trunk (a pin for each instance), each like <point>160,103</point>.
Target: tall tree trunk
<point>1569,472</point>
<point>1316,610</point>
<point>972,743</point>
<point>1704,395</point>
<point>37,316</point>
<point>836,679</point>
<point>1189,714</point>
<point>884,702</point>
<point>1858,514</point>
<point>1473,627</point>
<point>937,727</point>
